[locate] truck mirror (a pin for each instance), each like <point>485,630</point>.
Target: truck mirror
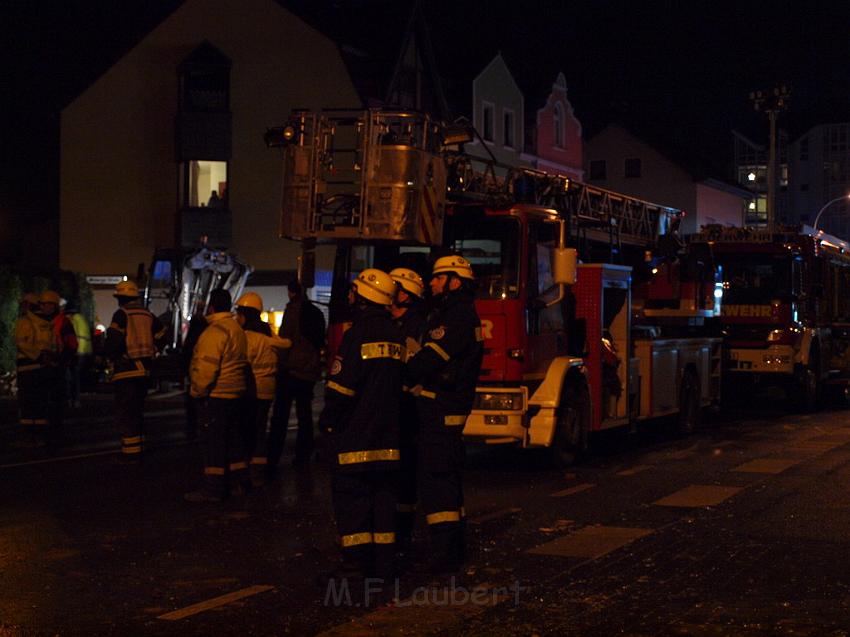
<point>565,266</point>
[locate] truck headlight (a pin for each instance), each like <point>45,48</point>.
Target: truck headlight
<point>501,401</point>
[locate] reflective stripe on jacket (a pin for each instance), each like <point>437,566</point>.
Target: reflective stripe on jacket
<point>220,361</point>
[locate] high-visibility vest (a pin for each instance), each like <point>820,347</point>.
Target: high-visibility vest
<point>83,332</point>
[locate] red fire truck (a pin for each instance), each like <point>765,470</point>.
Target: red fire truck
<point>570,348</point>
<point>786,311</point>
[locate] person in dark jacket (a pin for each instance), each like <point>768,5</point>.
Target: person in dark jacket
<point>410,314</point>
<point>299,369</point>
<point>132,340</point>
<point>442,375</point>
<point>360,420</point>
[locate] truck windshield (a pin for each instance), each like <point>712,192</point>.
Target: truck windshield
<point>751,278</point>
<point>491,245</point>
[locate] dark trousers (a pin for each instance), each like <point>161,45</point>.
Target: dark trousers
<point>255,417</point>
<point>32,404</point>
<point>440,459</point>
<point>364,507</point>
<point>224,459</point>
<point>300,391</point>
<point>408,467</point>
<point>130,394</point>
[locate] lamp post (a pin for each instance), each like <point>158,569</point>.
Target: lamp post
<point>825,206</point>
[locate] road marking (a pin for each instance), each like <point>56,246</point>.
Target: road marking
<point>766,465</point>
<point>698,496</point>
<point>215,602</point>
<point>493,515</point>
<point>681,454</point>
<point>634,470</point>
<point>576,489</point>
<point>591,541</point>
<point>58,459</point>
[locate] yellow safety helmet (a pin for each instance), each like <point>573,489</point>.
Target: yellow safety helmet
<point>252,300</point>
<point>49,296</point>
<point>453,264</point>
<point>127,288</point>
<point>375,285</point>
<point>408,281</point>
<point>30,298</point>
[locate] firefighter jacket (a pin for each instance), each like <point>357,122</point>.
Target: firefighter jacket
<point>220,360</point>
<point>412,325</point>
<point>447,366</point>
<point>263,352</point>
<point>83,331</point>
<point>362,394</point>
<point>132,341</point>
<point>35,342</point>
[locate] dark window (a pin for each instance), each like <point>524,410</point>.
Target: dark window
<point>487,124</point>
<point>598,169</point>
<point>804,187</point>
<point>632,167</point>
<point>508,129</point>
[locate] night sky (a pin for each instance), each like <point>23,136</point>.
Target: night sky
<point>686,67</point>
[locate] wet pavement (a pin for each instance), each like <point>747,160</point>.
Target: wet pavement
<point>740,529</point>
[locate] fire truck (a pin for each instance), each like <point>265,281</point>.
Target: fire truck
<point>570,348</point>
<point>786,311</point>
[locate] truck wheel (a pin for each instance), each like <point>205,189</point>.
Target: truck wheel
<point>805,391</point>
<point>690,410</point>
<point>572,431</point>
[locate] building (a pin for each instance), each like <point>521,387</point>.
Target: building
<point>167,145</point>
<point>618,160</point>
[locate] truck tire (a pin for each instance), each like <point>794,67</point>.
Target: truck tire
<point>690,409</point>
<point>572,432</point>
<point>805,390</point>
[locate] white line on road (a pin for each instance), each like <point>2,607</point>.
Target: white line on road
<point>215,602</point>
<point>576,489</point>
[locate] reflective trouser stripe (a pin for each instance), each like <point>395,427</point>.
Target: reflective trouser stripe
<point>259,460</point>
<point>131,440</point>
<point>33,421</point>
<point>355,539</point>
<point>455,420</point>
<point>428,394</point>
<point>131,450</point>
<point>443,516</point>
<point>384,538</point>
<point>237,466</point>
<point>213,471</point>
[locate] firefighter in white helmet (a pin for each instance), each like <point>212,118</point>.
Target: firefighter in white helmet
<point>411,315</point>
<point>443,375</point>
<point>263,348</point>
<point>360,422</point>
<point>132,341</point>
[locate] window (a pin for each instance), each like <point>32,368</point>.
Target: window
<point>631,167</point>
<point>598,169</point>
<point>558,126</point>
<point>487,123</point>
<point>508,129</point>
<point>203,184</point>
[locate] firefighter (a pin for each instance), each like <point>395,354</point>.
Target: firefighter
<point>360,420</point>
<point>132,340</point>
<point>442,376</point>
<point>218,377</point>
<point>37,351</point>
<point>410,314</point>
<point>55,378</point>
<point>263,350</point>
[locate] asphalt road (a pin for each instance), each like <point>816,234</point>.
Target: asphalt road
<point>740,529</point>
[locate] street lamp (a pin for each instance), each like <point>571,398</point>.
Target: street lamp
<point>825,206</point>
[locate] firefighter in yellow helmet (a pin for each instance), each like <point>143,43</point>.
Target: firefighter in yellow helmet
<point>360,421</point>
<point>219,375</point>
<point>37,353</point>
<point>132,340</point>
<point>443,374</point>
<point>263,348</point>
<point>410,314</point>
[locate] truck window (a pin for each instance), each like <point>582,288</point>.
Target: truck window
<point>751,279</point>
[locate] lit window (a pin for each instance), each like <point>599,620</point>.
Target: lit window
<point>487,123</point>
<point>203,184</point>
<point>508,129</point>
